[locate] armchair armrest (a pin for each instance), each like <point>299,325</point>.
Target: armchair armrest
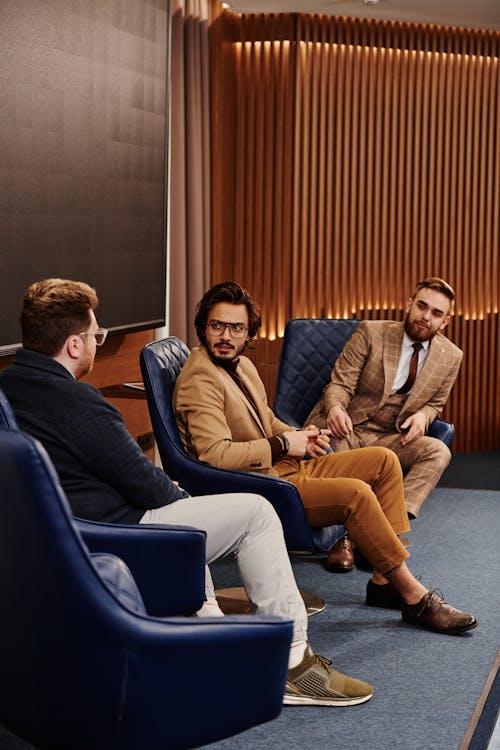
<point>442,431</point>
<point>167,562</point>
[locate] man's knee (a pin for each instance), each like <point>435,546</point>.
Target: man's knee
<point>259,509</point>
<point>386,458</point>
<point>425,450</point>
<point>437,451</point>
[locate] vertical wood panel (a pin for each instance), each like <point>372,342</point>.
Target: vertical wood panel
<point>367,156</point>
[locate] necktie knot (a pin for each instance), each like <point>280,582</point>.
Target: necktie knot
<point>412,373</point>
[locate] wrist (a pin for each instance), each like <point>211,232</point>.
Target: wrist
<point>336,408</point>
<point>285,445</point>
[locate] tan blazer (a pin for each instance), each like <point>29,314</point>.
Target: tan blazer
<point>364,372</point>
<point>217,423</point>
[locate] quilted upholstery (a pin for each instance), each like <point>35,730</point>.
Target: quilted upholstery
<point>310,348</point>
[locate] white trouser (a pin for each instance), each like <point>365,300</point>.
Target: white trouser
<point>247,526</point>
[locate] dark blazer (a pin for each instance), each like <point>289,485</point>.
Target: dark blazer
<point>101,468</point>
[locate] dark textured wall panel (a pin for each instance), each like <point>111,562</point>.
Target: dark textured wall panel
<point>82,154</point>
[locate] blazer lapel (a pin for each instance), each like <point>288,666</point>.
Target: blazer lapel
<point>238,394</point>
<point>255,412</point>
<point>390,357</point>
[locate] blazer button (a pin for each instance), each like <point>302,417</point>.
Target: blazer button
<point>255,466</point>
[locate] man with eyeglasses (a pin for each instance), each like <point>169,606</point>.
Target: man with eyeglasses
<point>224,419</point>
<point>390,382</point>
<point>106,476</point>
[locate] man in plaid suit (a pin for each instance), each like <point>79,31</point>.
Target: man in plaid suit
<point>372,400</point>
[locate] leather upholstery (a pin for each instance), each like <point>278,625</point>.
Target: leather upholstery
<point>176,552</point>
<point>172,555</point>
<point>81,671</point>
<point>310,348</point>
<point>7,418</point>
<point>161,362</point>
<point>118,578</point>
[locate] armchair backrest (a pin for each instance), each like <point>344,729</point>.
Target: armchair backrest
<point>161,362</point>
<point>310,348</point>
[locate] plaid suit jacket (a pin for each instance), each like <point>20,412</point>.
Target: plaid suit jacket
<point>363,375</point>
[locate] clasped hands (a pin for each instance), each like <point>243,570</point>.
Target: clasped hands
<point>309,440</point>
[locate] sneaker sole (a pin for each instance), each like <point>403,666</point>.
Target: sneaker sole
<point>307,700</point>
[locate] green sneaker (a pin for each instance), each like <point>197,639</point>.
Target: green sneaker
<point>314,683</point>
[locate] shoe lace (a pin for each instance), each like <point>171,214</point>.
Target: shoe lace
<point>322,661</point>
<point>436,597</point>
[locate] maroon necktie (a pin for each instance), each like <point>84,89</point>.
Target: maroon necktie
<point>412,373</point>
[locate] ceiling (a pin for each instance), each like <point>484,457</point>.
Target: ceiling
<point>477,14</point>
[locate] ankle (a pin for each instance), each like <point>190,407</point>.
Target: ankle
<point>297,651</point>
<point>414,595</point>
<point>378,579</point>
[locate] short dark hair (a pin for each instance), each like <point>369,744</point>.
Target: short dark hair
<point>234,294</point>
<point>439,285</point>
<point>54,309</point>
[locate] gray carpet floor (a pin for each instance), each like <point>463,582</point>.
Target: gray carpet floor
<point>426,685</point>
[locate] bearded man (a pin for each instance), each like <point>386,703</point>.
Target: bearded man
<point>390,382</point>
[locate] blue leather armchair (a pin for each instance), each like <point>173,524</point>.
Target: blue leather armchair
<point>81,669</point>
<point>177,551</point>
<point>161,362</point>
<point>310,349</point>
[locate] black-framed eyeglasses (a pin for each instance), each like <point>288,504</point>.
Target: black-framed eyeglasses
<point>100,335</point>
<point>218,327</point>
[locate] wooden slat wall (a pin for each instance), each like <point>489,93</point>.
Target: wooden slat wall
<point>366,155</point>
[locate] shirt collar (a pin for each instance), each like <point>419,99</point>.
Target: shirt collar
<point>408,342</point>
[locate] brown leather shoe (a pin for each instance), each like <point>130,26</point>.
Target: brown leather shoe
<point>433,613</point>
<point>340,558</point>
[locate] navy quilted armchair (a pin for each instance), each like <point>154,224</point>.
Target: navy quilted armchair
<point>178,551</point>
<point>84,666</point>
<point>161,363</point>
<point>310,349</point>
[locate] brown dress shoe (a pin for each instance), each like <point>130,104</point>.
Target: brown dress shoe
<point>433,613</point>
<point>340,558</point>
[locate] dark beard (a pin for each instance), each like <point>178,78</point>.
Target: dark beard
<point>227,364</point>
<point>417,335</point>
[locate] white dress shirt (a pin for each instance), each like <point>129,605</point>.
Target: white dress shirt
<point>404,361</point>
